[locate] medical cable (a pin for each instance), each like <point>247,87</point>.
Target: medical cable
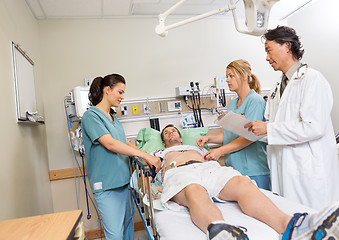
<point>298,77</point>
<point>82,153</point>
<point>201,124</point>
<point>193,107</point>
<point>130,202</point>
<point>69,131</point>
<point>82,173</point>
<point>223,98</point>
<point>186,102</point>
<point>195,99</point>
<point>195,114</point>
<point>135,201</point>
<point>69,128</point>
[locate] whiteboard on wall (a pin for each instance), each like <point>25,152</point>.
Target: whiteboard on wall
<point>24,84</point>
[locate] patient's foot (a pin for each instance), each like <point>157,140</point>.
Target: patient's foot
<point>323,225</point>
<point>223,231</point>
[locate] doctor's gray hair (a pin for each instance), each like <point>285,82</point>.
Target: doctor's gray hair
<point>96,90</point>
<point>283,34</point>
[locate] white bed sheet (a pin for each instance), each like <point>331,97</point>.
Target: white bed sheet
<point>177,225</point>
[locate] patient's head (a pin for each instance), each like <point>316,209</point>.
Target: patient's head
<point>171,136</point>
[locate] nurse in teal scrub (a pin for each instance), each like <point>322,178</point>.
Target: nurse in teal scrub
<point>249,158</point>
<point>107,151</point>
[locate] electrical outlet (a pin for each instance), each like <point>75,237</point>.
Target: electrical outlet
<point>135,109</point>
<point>174,106</point>
<point>123,110</point>
<point>146,108</point>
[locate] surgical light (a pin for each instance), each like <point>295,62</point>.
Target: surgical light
<point>256,11</point>
<point>257,14</point>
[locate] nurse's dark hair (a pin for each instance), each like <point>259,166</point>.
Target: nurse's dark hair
<point>243,69</point>
<point>283,34</point>
<point>96,90</point>
<point>169,125</point>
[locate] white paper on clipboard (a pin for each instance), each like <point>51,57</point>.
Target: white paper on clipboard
<point>235,123</point>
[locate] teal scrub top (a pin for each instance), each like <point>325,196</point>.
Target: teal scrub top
<point>251,160</point>
<point>105,169</point>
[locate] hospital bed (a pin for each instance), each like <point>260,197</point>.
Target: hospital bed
<point>175,223</point>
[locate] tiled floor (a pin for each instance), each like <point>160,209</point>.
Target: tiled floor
<point>140,235</point>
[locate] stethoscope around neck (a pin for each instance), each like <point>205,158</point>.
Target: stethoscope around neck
<point>300,75</point>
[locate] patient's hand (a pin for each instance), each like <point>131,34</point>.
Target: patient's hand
<point>156,192</point>
<point>202,140</point>
<point>214,154</point>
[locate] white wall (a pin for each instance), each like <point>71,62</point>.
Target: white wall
<point>25,187</point>
<point>318,26</point>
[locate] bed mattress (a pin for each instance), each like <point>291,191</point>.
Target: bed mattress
<point>177,225</point>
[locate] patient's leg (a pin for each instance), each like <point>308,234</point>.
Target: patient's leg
<point>202,209</point>
<point>254,203</point>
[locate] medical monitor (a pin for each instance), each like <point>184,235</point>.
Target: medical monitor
<point>81,101</point>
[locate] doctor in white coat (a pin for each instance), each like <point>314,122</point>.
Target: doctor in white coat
<point>301,147</point>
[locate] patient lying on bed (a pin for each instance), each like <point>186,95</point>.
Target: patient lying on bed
<point>191,181</point>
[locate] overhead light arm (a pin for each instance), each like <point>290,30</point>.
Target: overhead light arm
<point>162,30</point>
<point>257,13</point>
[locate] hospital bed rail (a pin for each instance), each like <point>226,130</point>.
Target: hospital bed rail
<point>146,212</point>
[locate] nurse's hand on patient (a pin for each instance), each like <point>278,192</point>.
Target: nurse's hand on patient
<point>257,127</point>
<point>214,154</point>
<point>202,140</point>
<point>154,161</point>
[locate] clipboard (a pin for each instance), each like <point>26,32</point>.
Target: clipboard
<point>235,123</point>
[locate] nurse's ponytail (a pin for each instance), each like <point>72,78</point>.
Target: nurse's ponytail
<point>96,90</point>
<point>254,83</point>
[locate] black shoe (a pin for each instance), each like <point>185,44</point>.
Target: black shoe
<point>223,231</point>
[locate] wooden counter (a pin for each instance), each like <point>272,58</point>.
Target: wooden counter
<point>55,226</point>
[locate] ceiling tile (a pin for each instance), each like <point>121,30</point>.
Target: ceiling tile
<point>35,8</point>
<point>146,1</point>
<point>116,7</point>
<point>71,8</point>
<point>45,9</point>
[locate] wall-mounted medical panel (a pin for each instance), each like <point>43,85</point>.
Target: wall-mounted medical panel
<point>163,106</point>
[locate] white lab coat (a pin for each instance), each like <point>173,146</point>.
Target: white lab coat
<point>302,152</point>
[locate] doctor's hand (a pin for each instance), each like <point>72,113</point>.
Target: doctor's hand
<point>202,140</point>
<point>257,127</point>
<point>214,154</point>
